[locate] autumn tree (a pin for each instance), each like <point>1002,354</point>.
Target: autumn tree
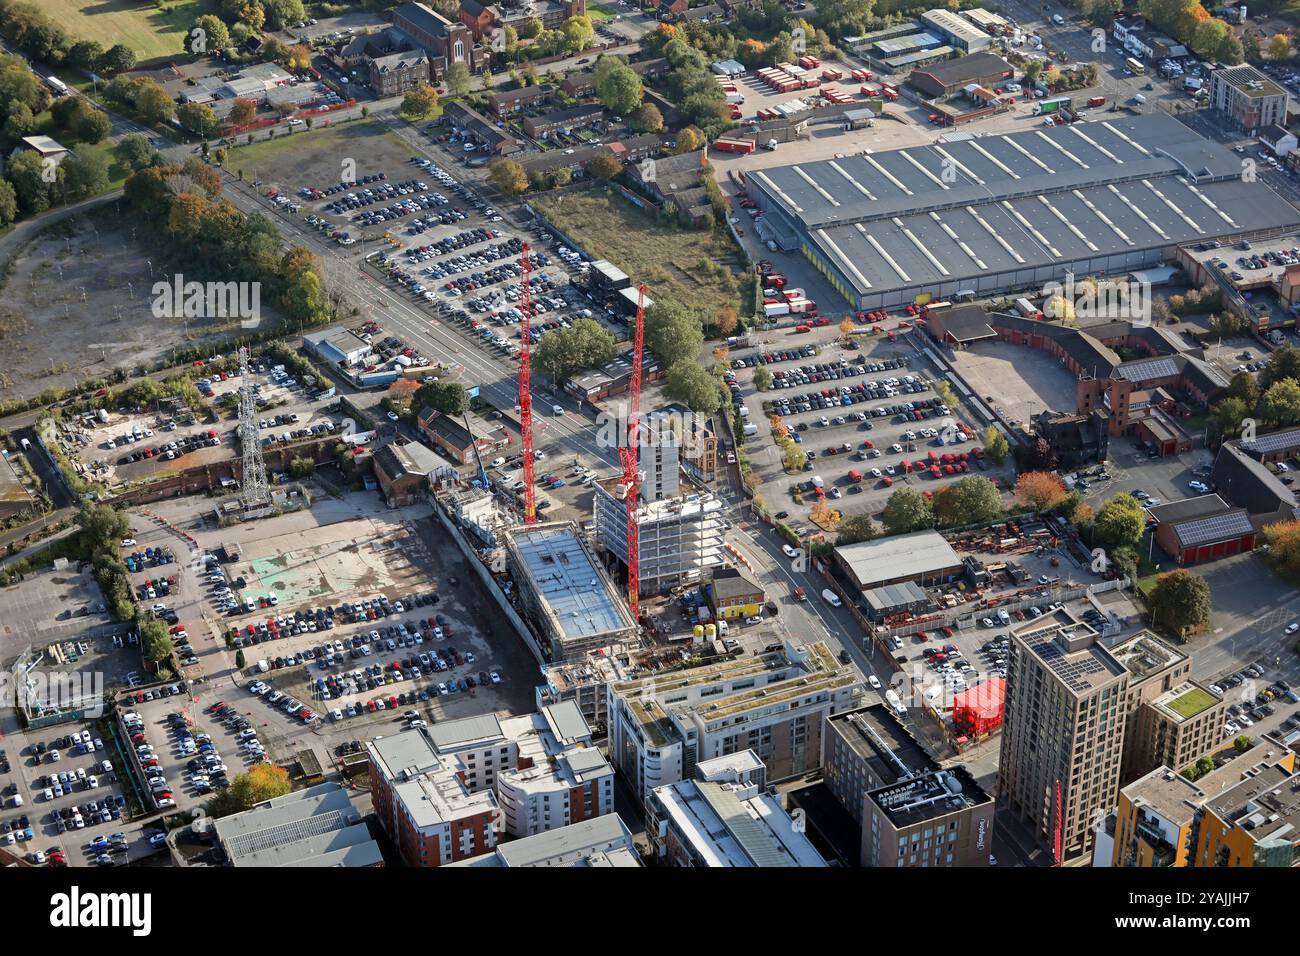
<point>1040,490</point>
<point>508,177</point>
<point>996,445</point>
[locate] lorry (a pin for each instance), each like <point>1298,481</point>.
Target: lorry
<point>895,702</point>
<point>1096,101</point>
<point>773,309</point>
<point>727,144</point>
<point>1050,106</point>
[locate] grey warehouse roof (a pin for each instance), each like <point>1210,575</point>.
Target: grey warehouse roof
<point>1014,202</point>
<point>899,556</point>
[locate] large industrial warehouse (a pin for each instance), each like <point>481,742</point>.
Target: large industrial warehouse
<point>991,214</point>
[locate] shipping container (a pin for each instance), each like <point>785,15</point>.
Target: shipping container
<point>728,145</point>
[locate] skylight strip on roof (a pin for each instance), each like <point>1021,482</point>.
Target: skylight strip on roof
<point>957,164</point>
<point>845,261</point>
<point>856,185</point>
<point>764,178</point>
<point>924,172</point>
<point>1172,207</point>
<point>1028,155</point>
<point>979,148</point>
<point>1209,202</point>
<point>1126,138</point>
<point>1102,216</point>
<point>1138,211</point>
<point>887,174</point>
<point>1029,227</point>
<point>1007,247</point>
<point>1077,130</point>
<point>920,247</point>
<point>1078,233</point>
<point>1060,149</point>
<point>798,170</point>
<point>883,254</point>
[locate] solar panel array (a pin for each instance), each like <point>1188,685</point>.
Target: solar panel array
<point>1074,670</point>
<point>1214,529</point>
<point>1145,371</point>
<point>1274,442</point>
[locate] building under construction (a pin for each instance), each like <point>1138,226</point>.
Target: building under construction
<point>571,604</point>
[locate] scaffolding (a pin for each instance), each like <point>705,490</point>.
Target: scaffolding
<point>255,495</point>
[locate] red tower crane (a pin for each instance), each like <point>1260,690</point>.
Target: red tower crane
<point>627,454</point>
<point>526,393</point>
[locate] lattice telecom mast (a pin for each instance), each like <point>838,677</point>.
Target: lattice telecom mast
<point>526,393</point>
<point>255,494</point>
<point>628,457</point>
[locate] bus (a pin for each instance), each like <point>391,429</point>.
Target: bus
<point>1136,67</point>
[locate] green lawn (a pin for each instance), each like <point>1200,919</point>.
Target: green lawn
<point>599,13</point>
<point>1191,703</point>
<point>151,32</point>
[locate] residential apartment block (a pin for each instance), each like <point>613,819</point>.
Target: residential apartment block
<point>773,704</point>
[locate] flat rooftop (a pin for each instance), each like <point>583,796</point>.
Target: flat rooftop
<point>899,556</point>
<point>1082,665</point>
<point>730,826</point>
<point>1169,794</point>
<point>563,573</point>
<point>1186,701</point>
<point>1144,654</point>
<point>1013,202</point>
<point>1267,806</point>
<point>928,796</point>
<point>877,737</point>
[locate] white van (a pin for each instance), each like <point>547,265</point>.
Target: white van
<point>831,598</point>
<point>1003,616</point>
<point>557,410</point>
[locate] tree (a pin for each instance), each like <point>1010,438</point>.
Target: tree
<point>725,320</point>
<point>84,172</point>
<point>619,90</point>
<point>449,398</point>
<point>1180,602</point>
<point>1204,765</point>
<point>1229,415</point>
<point>692,385</point>
<point>93,125</point>
<point>1119,523</point>
<point>531,30</point>
<point>508,177</point>
<point>8,203</point>
<point>19,123</point>
<point>86,54</point>
<point>792,456</point>
<point>420,103</point>
<point>1124,561</point>
<point>689,140</point>
<point>1242,743</point>
<point>197,117</point>
<point>26,173</point>
<point>136,152</point>
<point>1284,547</point>
<point>855,530</point>
<point>578,33</point>
<point>1281,403</point>
<point>117,59</point>
<point>215,36</point>
<point>562,352</point>
<point>996,445</point>
<point>240,661</point>
<point>261,783</point>
<point>1283,363</point>
<point>603,166</point>
<point>151,101</point>
<point>673,332</point>
<point>1040,490</point>
<point>243,112</point>
<point>762,378</point>
<point>907,510</point>
<point>457,79</point>
<point>1244,387</point>
<point>648,119</point>
<point>283,13</point>
<point>973,500</point>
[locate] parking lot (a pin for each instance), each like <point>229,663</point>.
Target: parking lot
<point>865,416</point>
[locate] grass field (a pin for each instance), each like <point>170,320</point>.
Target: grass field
<point>694,267</point>
<point>151,32</point>
<point>313,156</point>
